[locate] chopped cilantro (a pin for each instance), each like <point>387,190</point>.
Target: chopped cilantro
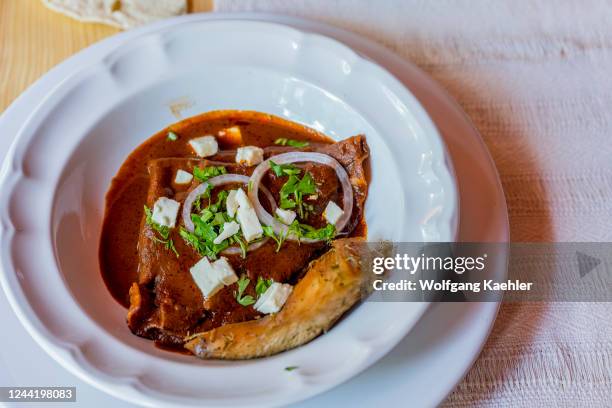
<point>291,368</point>
<point>284,169</point>
<point>162,230</point>
<point>221,198</point>
<point>203,229</point>
<point>208,224</point>
<point>203,174</point>
<point>294,186</point>
<point>307,184</point>
<point>297,188</point>
<point>197,204</point>
<point>279,239</point>
<point>286,190</point>
<point>193,240</point>
<point>238,239</point>
<point>168,244</point>
<point>219,219</point>
<point>262,285</point>
<point>172,136</point>
<point>245,300</point>
<point>326,233</point>
<point>291,142</point>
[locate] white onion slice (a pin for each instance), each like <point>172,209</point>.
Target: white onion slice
<point>298,157</point>
<point>215,182</point>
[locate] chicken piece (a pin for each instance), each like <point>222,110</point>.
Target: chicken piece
<point>330,287</point>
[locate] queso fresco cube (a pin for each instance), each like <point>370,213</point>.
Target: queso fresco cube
<point>211,277</point>
<point>204,146</point>
<point>332,213</point>
<point>165,211</point>
<point>183,177</point>
<point>249,155</point>
<point>273,299</point>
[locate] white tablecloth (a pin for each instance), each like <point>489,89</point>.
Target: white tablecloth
<point>535,76</point>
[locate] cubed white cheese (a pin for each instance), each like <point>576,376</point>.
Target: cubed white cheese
<point>242,198</point>
<point>246,216</point>
<point>224,271</point>
<point>165,211</point>
<point>231,204</point>
<point>229,229</point>
<point>273,299</point>
<point>210,278</point>
<point>249,223</point>
<point>332,213</point>
<point>249,155</point>
<point>204,146</point>
<point>286,216</point>
<point>183,177</point>
<point>206,278</point>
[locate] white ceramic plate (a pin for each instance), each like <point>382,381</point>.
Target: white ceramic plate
<point>57,172</point>
<point>436,353</point>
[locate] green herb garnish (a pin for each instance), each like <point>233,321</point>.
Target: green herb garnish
<point>168,244</point>
<point>279,239</point>
<point>193,240</point>
<point>197,203</point>
<point>245,300</point>
<point>294,186</point>
<point>237,239</point>
<point>172,136</point>
<point>284,169</point>
<point>203,236</point>
<point>208,224</point>
<point>326,233</point>
<point>162,230</point>
<point>221,199</point>
<point>203,174</point>
<point>297,188</point>
<point>262,285</point>
<point>291,142</point>
<point>291,368</point>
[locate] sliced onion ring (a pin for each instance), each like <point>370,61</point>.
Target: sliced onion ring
<point>215,182</point>
<point>298,157</point>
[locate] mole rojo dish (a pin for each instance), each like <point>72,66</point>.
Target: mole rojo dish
<point>233,234</point>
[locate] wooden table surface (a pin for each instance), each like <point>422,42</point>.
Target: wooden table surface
<point>33,39</point>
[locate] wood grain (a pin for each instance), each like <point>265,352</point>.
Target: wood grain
<point>33,39</point>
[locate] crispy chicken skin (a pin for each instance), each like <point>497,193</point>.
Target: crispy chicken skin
<point>330,287</point>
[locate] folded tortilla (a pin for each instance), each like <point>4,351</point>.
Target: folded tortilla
<point>118,13</point>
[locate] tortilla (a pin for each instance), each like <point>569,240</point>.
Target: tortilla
<point>165,303</point>
<point>123,14</point>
